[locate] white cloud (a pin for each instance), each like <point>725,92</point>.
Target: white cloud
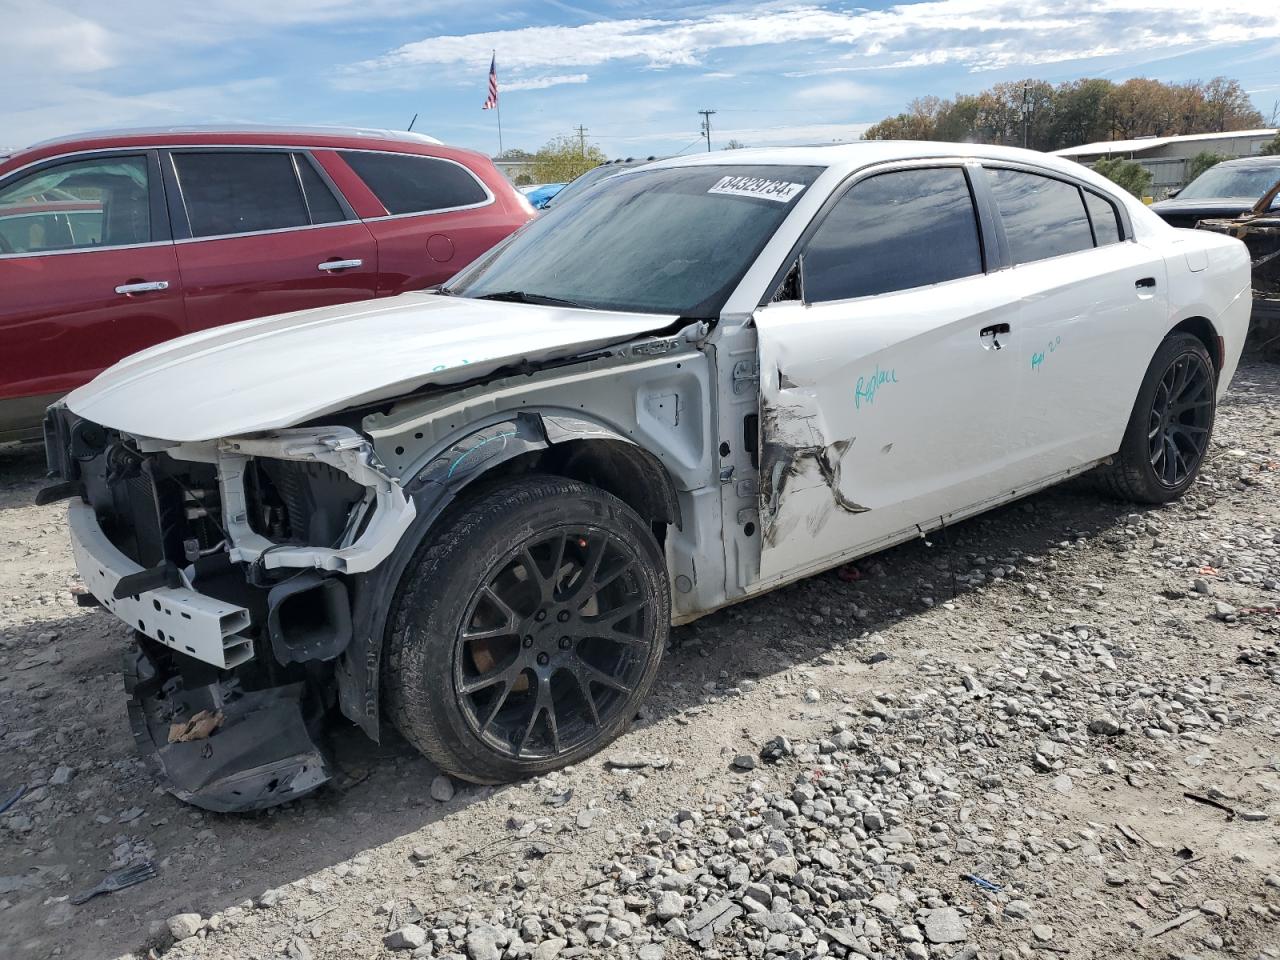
<point>541,83</point>
<point>835,93</point>
<point>978,34</point>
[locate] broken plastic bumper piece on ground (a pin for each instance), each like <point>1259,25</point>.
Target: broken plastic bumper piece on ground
<point>218,746</point>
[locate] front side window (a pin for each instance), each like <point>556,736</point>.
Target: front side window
<point>228,193</point>
<point>671,240</point>
<point>404,183</point>
<point>80,204</point>
<point>1042,217</point>
<point>894,231</point>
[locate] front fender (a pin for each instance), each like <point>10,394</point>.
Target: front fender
<point>432,489</point>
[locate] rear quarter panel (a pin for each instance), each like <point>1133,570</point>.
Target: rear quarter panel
<point>1210,277</point>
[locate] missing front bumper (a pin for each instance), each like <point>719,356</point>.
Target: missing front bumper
<point>262,753</point>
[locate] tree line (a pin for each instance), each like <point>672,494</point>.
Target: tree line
<point>1074,113</point>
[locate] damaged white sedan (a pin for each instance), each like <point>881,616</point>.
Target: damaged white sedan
<point>476,512</point>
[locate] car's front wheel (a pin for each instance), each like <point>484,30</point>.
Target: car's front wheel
<point>1169,429</point>
<point>527,630</point>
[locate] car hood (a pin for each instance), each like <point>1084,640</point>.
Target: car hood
<point>283,370</point>
<point>1205,206</point>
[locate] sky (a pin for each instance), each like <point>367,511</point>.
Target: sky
<point>634,74</point>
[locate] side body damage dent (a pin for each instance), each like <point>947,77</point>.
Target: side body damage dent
<point>522,421</point>
<point>794,452</point>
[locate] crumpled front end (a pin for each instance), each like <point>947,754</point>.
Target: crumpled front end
<point>218,746</point>
<point>232,561</point>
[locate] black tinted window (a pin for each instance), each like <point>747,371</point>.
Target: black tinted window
<point>321,202</point>
<point>1105,219</point>
<point>85,203</point>
<point>409,184</point>
<point>892,232</point>
<point>239,192</point>
<point>1042,217</point>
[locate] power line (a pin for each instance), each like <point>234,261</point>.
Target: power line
<point>697,139</point>
<point>706,125</point>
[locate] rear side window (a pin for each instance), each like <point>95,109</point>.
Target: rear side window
<point>76,205</point>
<point>321,203</point>
<point>1042,217</point>
<point>1105,219</point>
<point>404,183</point>
<point>227,193</point>
<point>894,231</point>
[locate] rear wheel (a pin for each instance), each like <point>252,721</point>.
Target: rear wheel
<point>527,631</point>
<point>1169,429</point>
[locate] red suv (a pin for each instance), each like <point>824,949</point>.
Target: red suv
<point>112,242</point>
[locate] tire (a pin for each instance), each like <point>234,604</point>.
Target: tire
<point>1170,427</point>
<point>554,662</point>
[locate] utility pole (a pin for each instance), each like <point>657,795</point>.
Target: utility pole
<point>706,126</point>
<point>1026,111</point>
<point>582,140</point>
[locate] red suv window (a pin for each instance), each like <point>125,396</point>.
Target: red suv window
<point>226,192</point>
<point>413,184</point>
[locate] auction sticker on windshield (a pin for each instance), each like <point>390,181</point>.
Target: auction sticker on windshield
<point>782,191</point>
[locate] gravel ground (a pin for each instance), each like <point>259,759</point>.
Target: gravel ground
<point>1055,730</point>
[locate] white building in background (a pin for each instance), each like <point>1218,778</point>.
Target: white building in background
<point>1169,158</point>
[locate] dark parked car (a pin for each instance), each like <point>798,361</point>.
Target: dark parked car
<point>1227,189</point>
<point>112,242</point>
<point>1259,228</point>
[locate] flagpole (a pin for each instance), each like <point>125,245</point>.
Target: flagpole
<point>497,105</point>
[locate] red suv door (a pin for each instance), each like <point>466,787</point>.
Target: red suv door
<point>88,274</point>
<point>440,216</point>
<point>262,231</point>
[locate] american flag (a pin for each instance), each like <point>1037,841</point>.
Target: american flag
<point>492,100</point>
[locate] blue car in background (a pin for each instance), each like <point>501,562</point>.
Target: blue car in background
<point>540,193</point>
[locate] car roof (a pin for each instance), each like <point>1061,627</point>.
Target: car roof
<point>852,156</point>
<point>238,129</point>
<point>321,137</point>
<point>1260,161</point>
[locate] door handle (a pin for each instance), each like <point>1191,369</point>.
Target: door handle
<point>1145,282</point>
<point>339,264</point>
<point>143,286</point>
<point>994,331</point>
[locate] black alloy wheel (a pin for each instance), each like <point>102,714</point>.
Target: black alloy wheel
<point>553,643</point>
<point>1169,427</point>
<point>526,630</point>
<point>1181,419</point>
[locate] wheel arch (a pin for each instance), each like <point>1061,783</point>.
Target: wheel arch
<point>1202,329</point>
<point>511,445</point>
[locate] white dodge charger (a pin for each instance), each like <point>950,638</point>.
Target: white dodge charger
<point>475,512</point>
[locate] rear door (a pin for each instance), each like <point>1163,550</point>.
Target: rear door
<point>439,216</point>
<point>262,231</point>
<point>1092,308</point>
<point>88,274</point>
<point>888,390</point>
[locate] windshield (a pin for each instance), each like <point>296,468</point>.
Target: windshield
<point>1245,182</point>
<point>673,240</point>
